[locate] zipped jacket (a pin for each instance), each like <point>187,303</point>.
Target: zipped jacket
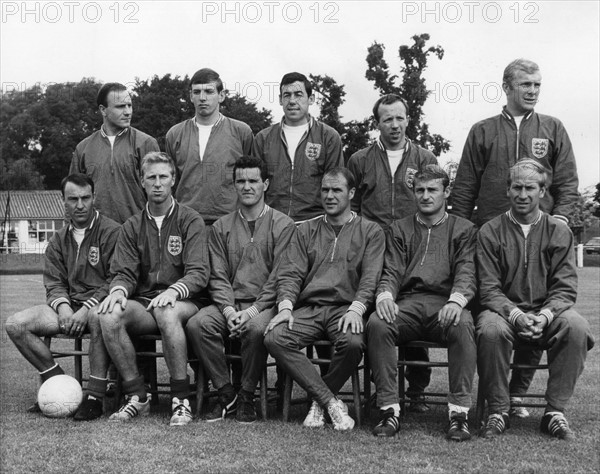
<point>147,260</point>
<point>115,170</point>
<point>242,262</point>
<point>295,187</point>
<point>533,274</point>
<point>381,196</point>
<point>79,275</point>
<point>320,268</point>
<point>437,259</point>
<point>207,186</point>
<point>494,145</point>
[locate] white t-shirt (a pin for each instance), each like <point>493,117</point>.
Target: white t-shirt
<point>111,139</point>
<point>394,158</point>
<point>159,220</point>
<point>78,235</point>
<point>518,121</point>
<point>203,134</point>
<point>292,137</point>
<point>526,229</point>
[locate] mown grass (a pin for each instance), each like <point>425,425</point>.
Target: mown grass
<point>32,443</point>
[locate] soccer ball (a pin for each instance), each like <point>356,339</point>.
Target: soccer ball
<point>60,396</point>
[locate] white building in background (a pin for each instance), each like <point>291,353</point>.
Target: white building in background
<point>28,219</point>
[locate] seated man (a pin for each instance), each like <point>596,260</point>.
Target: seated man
<point>428,279</point>
<point>244,247</point>
<point>528,285</point>
<point>160,265</point>
<point>326,281</point>
<point>76,276</point>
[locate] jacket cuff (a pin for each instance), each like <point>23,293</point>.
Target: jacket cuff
<point>285,304</point>
<point>252,311</point>
<point>181,290</point>
<point>547,314</point>
<point>458,299</point>
<point>58,301</point>
<point>358,308</point>
<point>385,295</point>
<point>89,304</point>
<point>119,287</point>
<point>514,314</point>
<point>228,311</point>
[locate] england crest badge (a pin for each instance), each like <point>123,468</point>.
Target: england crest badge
<point>174,245</point>
<point>539,147</point>
<point>94,256</point>
<point>409,177</point>
<point>313,150</point>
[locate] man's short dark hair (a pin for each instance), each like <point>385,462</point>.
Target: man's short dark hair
<point>246,162</point>
<point>388,99</point>
<point>206,76</point>
<point>78,179</point>
<point>510,71</point>
<point>157,157</point>
<point>430,172</point>
<point>292,77</point>
<point>526,167</point>
<point>345,172</point>
<point>102,97</point>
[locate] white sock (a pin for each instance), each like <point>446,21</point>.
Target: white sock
<point>395,406</point>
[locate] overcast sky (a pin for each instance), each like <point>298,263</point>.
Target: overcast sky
<point>252,44</point>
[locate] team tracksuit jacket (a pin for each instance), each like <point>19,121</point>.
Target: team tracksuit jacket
<point>147,260</point>
<point>436,260</point>
<point>533,274</point>
<point>79,275</point>
<point>322,269</point>
<point>242,262</point>
<point>295,187</point>
<point>494,145</point>
<point>381,196</point>
<point>115,170</point>
<point>207,186</point>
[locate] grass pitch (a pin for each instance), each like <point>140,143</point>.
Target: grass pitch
<point>32,443</point>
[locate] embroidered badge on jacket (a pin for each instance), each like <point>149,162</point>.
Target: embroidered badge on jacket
<point>94,256</point>
<point>313,150</point>
<point>539,147</point>
<point>409,177</point>
<point>174,245</point>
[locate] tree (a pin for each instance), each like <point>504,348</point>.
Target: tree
<point>412,86</point>
<point>39,129</point>
<point>597,201</point>
<point>330,96</point>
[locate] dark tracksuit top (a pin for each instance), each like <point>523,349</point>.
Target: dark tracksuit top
<point>147,261</point>
<point>295,187</point>
<point>80,275</point>
<point>381,196</point>
<point>494,145</point>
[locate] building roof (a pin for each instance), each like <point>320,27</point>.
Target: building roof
<point>32,205</point>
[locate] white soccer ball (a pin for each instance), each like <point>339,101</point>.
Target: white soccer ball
<point>60,396</point>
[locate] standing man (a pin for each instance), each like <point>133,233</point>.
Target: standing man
<point>111,156</point>
<point>204,149</point>
<point>428,279</point>
<point>496,144</point>
<point>76,276</point>
<point>298,151</point>
<point>384,173</point>
<point>325,284</point>
<point>160,265</point>
<point>244,248</point>
<point>528,285</point>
